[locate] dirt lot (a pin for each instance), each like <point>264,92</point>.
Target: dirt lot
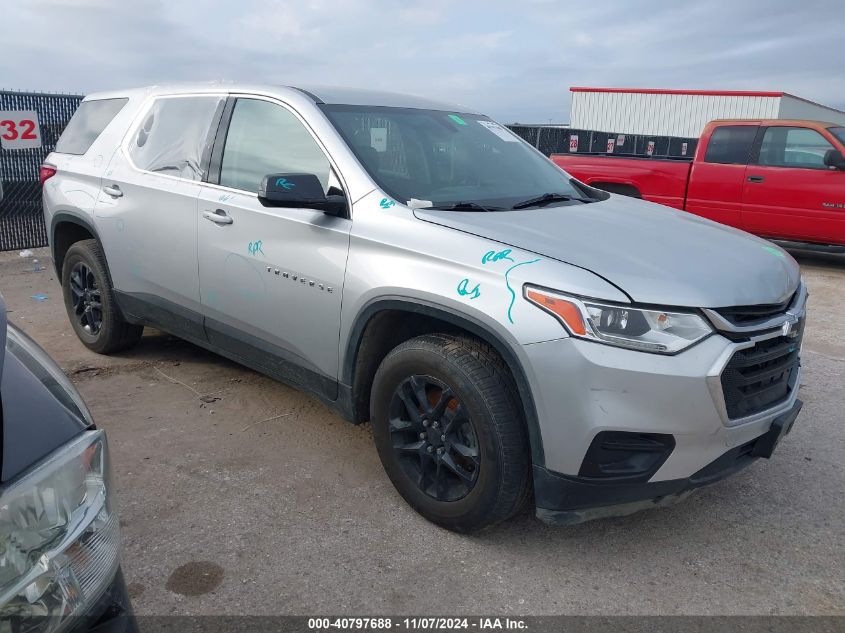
<point>239,495</point>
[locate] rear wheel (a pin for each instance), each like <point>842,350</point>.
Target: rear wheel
<point>90,303</point>
<point>449,433</point>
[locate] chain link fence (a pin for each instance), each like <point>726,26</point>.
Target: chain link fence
<point>21,218</point>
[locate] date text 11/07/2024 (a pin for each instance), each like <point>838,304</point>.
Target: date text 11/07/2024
<point>417,624</point>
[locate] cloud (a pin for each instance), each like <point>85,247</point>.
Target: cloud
<point>514,61</point>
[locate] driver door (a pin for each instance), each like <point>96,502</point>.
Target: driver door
<point>271,278</point>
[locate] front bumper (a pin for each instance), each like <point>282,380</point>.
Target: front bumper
<point>583,388</point>
<point>567,500</point>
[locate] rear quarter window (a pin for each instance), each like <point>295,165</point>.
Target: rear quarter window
<point>87,123</point>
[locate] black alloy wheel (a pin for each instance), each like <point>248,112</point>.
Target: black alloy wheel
<point>434,438</point>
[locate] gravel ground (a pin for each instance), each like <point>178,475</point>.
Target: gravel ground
<point>239,495</point>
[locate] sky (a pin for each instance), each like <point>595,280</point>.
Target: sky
<point>514,61</point>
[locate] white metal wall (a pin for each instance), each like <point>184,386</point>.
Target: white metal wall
<point>792,108</point>
<point>663,114</point>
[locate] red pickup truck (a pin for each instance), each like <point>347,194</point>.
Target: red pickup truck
<point>779,179</point>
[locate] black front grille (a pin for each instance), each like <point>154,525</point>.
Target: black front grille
<point>748,315</point>
<point>761,377</point>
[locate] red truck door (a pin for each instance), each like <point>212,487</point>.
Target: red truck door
<point>717,178</point>
<point>790,193</point>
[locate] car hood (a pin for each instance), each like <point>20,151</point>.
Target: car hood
<point>652,253</point>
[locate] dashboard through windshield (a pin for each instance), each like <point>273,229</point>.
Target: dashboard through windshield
<point>438,158</point>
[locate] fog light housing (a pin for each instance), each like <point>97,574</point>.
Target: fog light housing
<point>626,456</point>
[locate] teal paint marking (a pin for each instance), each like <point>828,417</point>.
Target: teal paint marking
<point>774,251</point>
<point>508,284</point>
<point>386,203</point>
<point>457,119</point>
<point>226,197</point>
<point>255,248</point>
<point>284,183</point>
<point>493,256</point>
<point>463,290</point>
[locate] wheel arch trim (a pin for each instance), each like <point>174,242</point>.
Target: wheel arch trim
<point>73,218</point>
<point>469,324</point>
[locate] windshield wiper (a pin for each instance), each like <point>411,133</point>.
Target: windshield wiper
<point>548,198</point>
<point>463,206</point>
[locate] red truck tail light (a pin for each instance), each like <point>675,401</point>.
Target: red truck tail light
<point>45,172</point>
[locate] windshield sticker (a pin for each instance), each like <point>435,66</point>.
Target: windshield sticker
<point>499,131</point>
<point>386,203</point>
<point>508,284</point>
<point>378,139</point>
<point>464,290</point>
<point>493,256</point>
<point>254,248</point>
<point>457,119</point>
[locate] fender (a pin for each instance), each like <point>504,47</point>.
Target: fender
<point>73,218</point>
<point>469,324</point>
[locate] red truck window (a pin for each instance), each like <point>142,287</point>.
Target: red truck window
<point>793,147</point>
<point>730,144</point>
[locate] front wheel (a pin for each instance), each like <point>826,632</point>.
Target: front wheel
<point>449,432</point>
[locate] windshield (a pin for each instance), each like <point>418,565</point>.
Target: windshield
<point>438,158</point>
<point>838,132</point>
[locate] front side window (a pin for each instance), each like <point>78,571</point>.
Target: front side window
<point>423,156</point>
<point>265,138</point>
<point>730,144</point>
<point>793,147</point>
<point>174,136</point>
<point>87,123</point>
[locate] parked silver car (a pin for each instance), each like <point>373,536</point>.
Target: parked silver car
<point>509,330</point>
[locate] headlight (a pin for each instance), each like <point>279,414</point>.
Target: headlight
<point>59,540</point>
<point>647,330</point>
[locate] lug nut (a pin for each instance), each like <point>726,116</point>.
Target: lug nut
<point>425,423</point>
<point>436,424</point>
<point>422,436</point>
<point>442,438</point>
<point>439,451</point>
<point>430,449</point>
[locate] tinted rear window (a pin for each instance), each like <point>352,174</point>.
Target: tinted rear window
<point>731,144</point>
<point>87,123</point>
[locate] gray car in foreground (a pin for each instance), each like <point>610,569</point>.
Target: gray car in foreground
<point>511,333</point>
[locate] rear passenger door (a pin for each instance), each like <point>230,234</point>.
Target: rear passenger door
<point>271,278</point>
<point>790,193</point>
<point>716,182</point>
<point>147,210</point>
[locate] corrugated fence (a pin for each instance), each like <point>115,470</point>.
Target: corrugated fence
<point>22,222</point>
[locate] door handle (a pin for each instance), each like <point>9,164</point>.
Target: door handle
<point>756,179</point>
<point>113,190</point>
<point>218,216</point>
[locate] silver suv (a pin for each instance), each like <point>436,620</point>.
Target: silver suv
<point>511,333</point>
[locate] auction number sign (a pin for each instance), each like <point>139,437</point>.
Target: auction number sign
<point>19,129</point>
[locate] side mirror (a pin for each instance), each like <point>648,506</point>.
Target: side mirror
<point>834,158</point>
<point>300,191</point>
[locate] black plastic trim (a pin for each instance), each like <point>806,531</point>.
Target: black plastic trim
<point>560,497</point>
<point>73,218</point>
<point>474,327</point>
<point>216,158</point>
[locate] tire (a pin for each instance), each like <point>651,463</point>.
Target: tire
<point>484,466</point>
<point>85,280</point>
